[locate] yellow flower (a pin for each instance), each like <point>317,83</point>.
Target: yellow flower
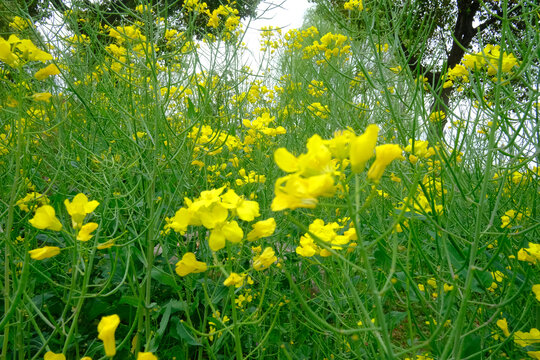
<point>189,264</point>
<point>106,328</point>
<point>354,5</point>
<point>45,97</point>
<point>264,260</point>
<point>530,254</point>
<point>503,325</point>
<point>44,252</point>
<point>45,219</point>
<point>437,116</point>
<point>384,155</point>
<point>293,191</point>
<point>31,197</point>
<point>261,229</point>
<point>525,339</point>
<point>534,354</point>
<point>44,73</point>
<point>227,230</point>
<point>146,356</point>
<point>234,279</point>
<point>536,291</point>
<point>106,245</point>
<point>86,358</point>
<point>85,231</point>
<point>79,208</point>
<point>362,148</point>
<point>49,355</point>
<point>246,210</point>
<point>6,55</point>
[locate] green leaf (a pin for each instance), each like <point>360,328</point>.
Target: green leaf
<point>181,332</point>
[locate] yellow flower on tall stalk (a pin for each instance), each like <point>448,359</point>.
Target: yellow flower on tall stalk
<point>503,325</point>
<point>235,280</point>
<point>45,219</point>
<point>146,356</point>
<point>47,71</point>
<point>264,260</point>
<point>527,338</point>
<point>79,208</point>
<point>384,155</point>
<point>189,264</point>
<point>225,231</point>
<point>44,252</point>
<point>362,148</point>
<point>49,355</point>
<point>263,228</point>
<point>536,291</point>
<point>106,329</point>
<point>86,230</point>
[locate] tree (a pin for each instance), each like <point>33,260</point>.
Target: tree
<point>112,12</point>
<point>434,36</point>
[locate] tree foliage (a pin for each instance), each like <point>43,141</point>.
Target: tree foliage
<point>111,12</point>
<point>434,36</point>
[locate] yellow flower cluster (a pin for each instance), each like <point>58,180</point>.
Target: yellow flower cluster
<point>264,260</point>
<point>189,264</point>
<point>45,219</point>
<point>424,201</point>
<point>437,116</point>
<point>354,5</point>
<point>317,88</point>
<point>319,110</point>
<point>489,59</point>
<point>419,149</point>
<point>19,24</point>
<point>229,14</point>
<point>457,73</point>
<point>311,175</point>
<point>530,254</point>
<point>325,233</point>
<point>215,212</point>
<point>212,142</point>
<point>330,45</point>
<point>511,216</point>
<point>294,38</point>
<point>15,51</point>
<point>259,128</point>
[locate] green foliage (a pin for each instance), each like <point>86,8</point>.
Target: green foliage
<point>305,212</point>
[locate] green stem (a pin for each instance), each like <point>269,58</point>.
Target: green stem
<point>237,344</point>
<point>386,342</point>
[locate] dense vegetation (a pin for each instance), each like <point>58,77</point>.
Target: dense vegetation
<point>160,199</point>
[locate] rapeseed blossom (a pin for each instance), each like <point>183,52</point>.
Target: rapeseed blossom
<point>527,338</point>
<point>106,329</point>
<point>326,233</point>
<point>49,355</point>
<point>189,264</point>
<point>264,260</point>
<point>79,208</point>
<point>384,155</point>
<point>362,148</point>
<point>503,325</point>
<point>49,70</point>
<point>530,254</point>
<point>45,219</point>
<point>44,252</point>
<point>353,5</point>
<point>84,233</point>
<point>234,279</point>
<point>261,229</point>
<point>146,356</point>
